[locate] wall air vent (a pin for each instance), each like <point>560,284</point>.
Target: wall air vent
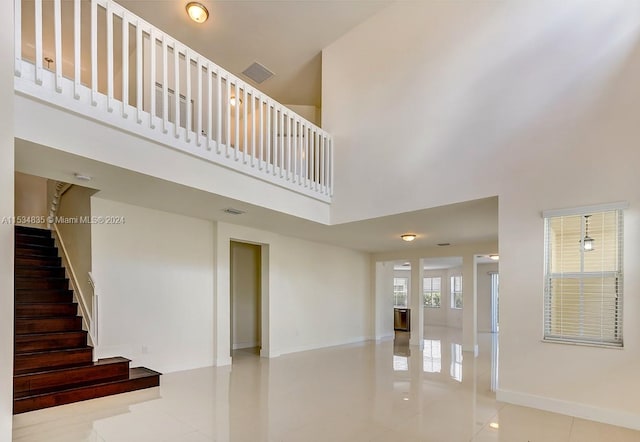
<point>257,73</point>
<point>232,211</point>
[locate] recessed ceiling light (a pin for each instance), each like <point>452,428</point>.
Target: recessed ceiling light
<point>494,425</point>
<point>197,12</point>
<point>494,257</point>
<point>408,237</point>
<point>82,177</point>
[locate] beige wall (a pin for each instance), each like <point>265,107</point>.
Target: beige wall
<point>317,295</point>
<point>494,98</point>
<point>31,199</point>
<point>245,295</point>
<point>75,203</point>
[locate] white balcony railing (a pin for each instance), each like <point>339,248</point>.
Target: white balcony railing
<point>95,58</point>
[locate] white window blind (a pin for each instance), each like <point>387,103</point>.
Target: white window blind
<point>431,291</point>
<point>583,282</point>
<point>400,292</point>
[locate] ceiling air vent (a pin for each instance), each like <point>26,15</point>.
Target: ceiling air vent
<point>232,211</point>
<point>444,244</point>
<point>257,72</point>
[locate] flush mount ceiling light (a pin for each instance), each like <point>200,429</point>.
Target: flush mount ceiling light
<point>408,237</point>
<point>587,241</point>
<point>494,257</point>
<point>197,12</point>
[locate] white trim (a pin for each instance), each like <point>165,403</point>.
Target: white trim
<point>575,409</point>
<point>620,205</point>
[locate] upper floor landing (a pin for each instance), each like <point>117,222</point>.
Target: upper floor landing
<point>94,80</point>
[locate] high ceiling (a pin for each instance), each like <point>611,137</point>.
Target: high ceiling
<point>286,36</point>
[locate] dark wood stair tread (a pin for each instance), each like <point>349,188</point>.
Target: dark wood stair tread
<point>45,309</point>
<point>44,324</point>
<point>47,381</point>
<point>38,342</point>
<point>32,362</point>
<point>139,378</point>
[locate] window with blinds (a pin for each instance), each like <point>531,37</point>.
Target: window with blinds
<point>456,292</point>
<point>400,292</point>
<point>431,292</point>
<point>583,278</point>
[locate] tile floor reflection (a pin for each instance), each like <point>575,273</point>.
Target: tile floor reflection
<point>363,392</point>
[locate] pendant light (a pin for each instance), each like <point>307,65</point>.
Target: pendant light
<point>587,241</point>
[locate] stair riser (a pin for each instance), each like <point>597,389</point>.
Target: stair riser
<point>21,230</point>
<point>32,343</point>
<point>22,239</point>
<point>25,363</point>
<point>35,283</point>
<point>34,249</point>
<point>39,272</point>
<point>54,399</point>
<point>24,326</point>
<point>48,296</point>
<point>22,385</point>
<point>38,261</point>
<point>47,310</point>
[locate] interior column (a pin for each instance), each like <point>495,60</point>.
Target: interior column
<point>469,304</point>
<point>416,303</point>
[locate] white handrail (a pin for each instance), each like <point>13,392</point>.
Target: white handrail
<point>298,155</point>
<point>94,309</point>
<point>78,295</point>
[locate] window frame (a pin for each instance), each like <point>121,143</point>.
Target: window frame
<point>581,276</point>
<point>454,292</point>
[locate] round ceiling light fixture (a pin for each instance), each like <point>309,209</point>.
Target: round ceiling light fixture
<point>408,237</point>
<point>197,12</point>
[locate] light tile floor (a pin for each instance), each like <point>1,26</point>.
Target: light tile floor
<point>364,392</point>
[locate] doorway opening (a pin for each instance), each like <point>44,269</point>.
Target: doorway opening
<point>246,299</point>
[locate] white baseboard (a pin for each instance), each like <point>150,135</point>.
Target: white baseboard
<point>385,338</point>
<point>242,345</point>
<point>575,409</point>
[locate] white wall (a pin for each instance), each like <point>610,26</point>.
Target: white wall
<point>535,102</point>
<point>318,295</point>
<point>154,277</point>
<point>245,295</point>
<point>6,230</point>
<point>31,199</point>
<point>484,295</point>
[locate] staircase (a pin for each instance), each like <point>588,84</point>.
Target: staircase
<point>53,365</point>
